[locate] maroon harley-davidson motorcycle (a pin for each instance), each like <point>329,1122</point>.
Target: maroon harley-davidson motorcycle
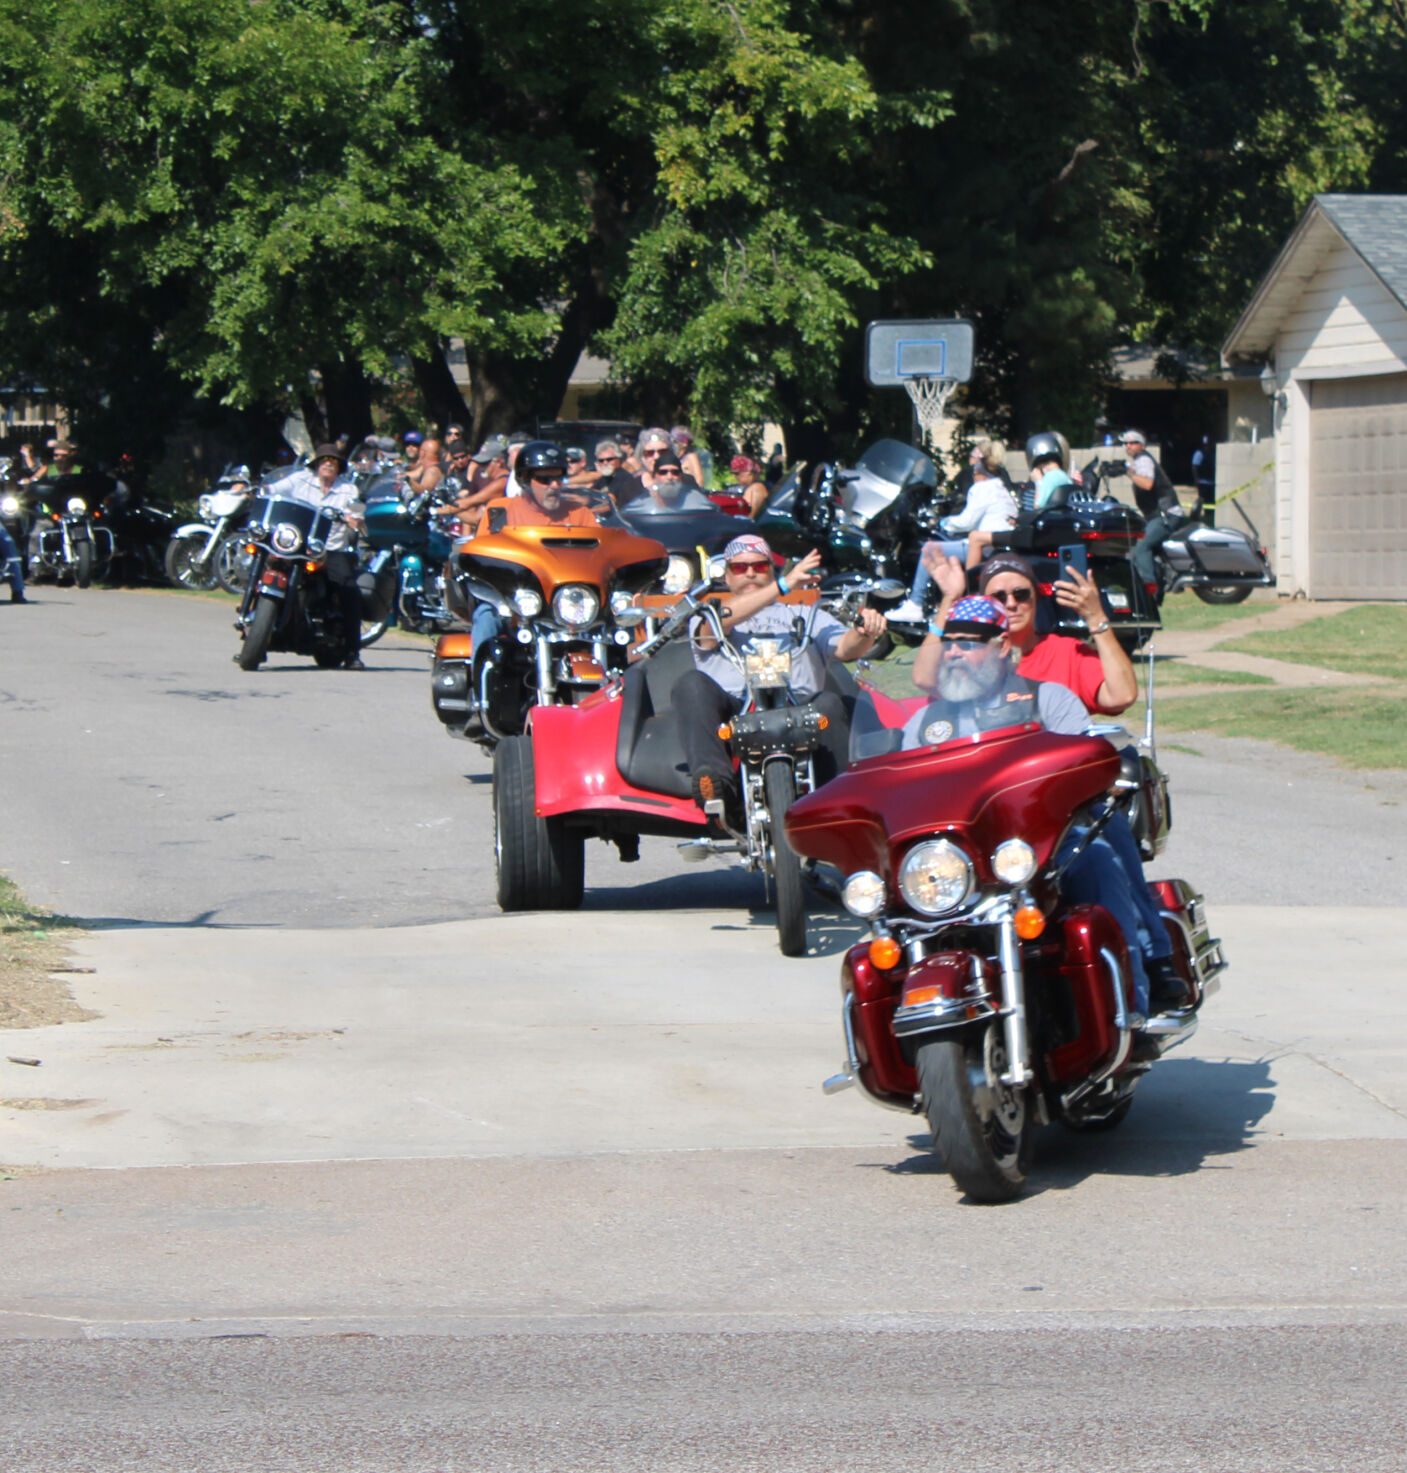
<point>983,999</point>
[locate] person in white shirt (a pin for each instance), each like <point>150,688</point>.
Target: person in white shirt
<point>327,486</point>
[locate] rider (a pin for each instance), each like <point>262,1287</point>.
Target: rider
<point>977,685</point>
<point>713,691</point>
<point>326,485</point>
<point>1157,500</point>
<point>536,498</point>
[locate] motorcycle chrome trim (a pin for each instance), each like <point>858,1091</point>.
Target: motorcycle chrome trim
<point>694,851</point>
<point>942,1014</point>
<point>1123,1021</point>
<point>1018,1072</point>
<point>1170,1029</point>
<point>850,1072</point>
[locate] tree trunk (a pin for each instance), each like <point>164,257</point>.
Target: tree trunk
<point>346,393</point>
<point>441,393</point>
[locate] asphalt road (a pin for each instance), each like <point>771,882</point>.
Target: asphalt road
<point>562,1193</point>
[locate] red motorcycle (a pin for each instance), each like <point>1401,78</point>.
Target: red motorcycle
<point>983,999</point>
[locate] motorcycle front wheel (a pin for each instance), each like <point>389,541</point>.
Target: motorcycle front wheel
<point>83,564</point>
<point>982,1129</point>
<point>183,565</point>
<point>259,635</point>
<point>779,788</point>
<point>372,630</point>
<point>231,564</point>
<point>541,863</point>
<point>1221,595</point>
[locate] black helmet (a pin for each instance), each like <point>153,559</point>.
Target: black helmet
<point>1048,445</point>
<point>539,455</point>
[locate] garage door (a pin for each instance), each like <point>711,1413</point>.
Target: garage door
<point>1358,488</point>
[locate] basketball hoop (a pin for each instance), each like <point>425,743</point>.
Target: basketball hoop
<point>930,398</point>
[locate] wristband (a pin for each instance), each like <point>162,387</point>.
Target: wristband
<point>1099,628</point>
<point>783,585</point>
<point>934,627</point>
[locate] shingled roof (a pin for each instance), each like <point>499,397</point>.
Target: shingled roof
<point>1374,226</point>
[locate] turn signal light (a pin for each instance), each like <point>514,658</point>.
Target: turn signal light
<point>822,722</point>
<point>725,732</point>
<point>1029,922</point>
<point>250,548</point>
<point>885,952</point>
<point>921,995</point>
<point>311,567</point>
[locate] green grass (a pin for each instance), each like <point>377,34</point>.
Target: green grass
<point>1360,726</point>
<point>1371,640</point>
<point>893,676</point>
<point>1180,672</point>
<point>1186,611</point>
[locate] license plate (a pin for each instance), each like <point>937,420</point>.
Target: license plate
<point>1118,599</point>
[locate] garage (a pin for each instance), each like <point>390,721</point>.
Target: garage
<point>1358,471</point>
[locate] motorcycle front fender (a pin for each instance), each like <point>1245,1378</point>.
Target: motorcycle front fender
<point>192,529</point>
<point>412,574</point>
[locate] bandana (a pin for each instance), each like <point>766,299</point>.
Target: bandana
<point>1006,562</point>
<point>976,615</point>
<point>748,542</point>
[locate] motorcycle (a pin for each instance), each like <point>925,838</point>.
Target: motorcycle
<point>613,766</point>
<point>66,543</point>
<point>983,999</point>
<point>1221,565</point>
<point>563,595</point>
<point>194,554</point>
<point>402,580</point>
<point>287,604</point>
<point>693,530</point>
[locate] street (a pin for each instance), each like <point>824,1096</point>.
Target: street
<point>353,1172</point>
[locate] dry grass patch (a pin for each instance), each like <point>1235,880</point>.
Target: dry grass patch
<point>32,947</point>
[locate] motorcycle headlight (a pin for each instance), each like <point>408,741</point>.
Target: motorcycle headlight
<point>576,605</point>
<point>863,893</point>
<point>286,537</point>
<point>528,602</point>
<point>717,566</point>
<point>1014,862</point>
<point>77,505</point>
<point>620,602</point>
<point>10,506</point>
<point>935,877</point>
<point>678,575</point>
<point>205,507</point>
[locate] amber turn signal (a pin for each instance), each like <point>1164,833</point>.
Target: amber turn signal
<point>1029,922</point>
<point>311,567</point>
<point>921,995</point>
<point>725,732</point>
<point>885,952</point>
<point>822,722</point>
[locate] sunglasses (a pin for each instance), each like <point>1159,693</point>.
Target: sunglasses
<point>546,478</point>
<point>1011,595</point>
<point>607,459</point>
<point>966,646</point>
<point>654,450</point>
<point>741,566</point>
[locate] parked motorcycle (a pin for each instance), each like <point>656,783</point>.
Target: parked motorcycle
<point>403,577</point>
<point>983,999</point>
<point>562,594</point>
<point>196,556</point>
<point>614,767</point>
<point>288,604</point>
<point>1221,565</point>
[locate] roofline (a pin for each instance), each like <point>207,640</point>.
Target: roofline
<point>1272,274</point>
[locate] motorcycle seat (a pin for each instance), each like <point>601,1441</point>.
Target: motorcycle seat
<point>649,749</point>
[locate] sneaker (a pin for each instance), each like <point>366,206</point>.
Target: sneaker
<point>907,612</point>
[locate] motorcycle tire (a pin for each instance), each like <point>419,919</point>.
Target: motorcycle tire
<point>987,1154</point>
<point>83,564</point>
<point>372,630</point>
<point>182,569</point>
<point>541,863</point>
<point>779,789</point>
<point>231,564</point>
<point>1221,595</point>
<point>259,635</point>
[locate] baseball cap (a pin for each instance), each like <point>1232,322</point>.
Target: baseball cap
<point>975,615</point>
<point>413,437</point>
<point>492,449</point>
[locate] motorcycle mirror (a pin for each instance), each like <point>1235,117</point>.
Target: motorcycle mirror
<point>631,617</point>
<point>888,588</point>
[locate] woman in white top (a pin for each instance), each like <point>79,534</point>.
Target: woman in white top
<point>990,507</point>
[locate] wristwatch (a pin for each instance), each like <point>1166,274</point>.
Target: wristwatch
<point>1099,628</point>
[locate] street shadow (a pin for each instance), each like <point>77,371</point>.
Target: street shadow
<point>203,919</point>
<point>1186,1113</point>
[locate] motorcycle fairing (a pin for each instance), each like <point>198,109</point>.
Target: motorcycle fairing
<point>1090,1037</point>
<point>454,647</point>
<point>553,556</point>
<point>574,762</point>
<point>978,790</point>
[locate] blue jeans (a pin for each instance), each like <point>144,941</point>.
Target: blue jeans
<point>485,625</point>
<point>11,564</point>
<point>923,578</point>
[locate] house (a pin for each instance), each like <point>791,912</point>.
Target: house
<point>1327,328</point>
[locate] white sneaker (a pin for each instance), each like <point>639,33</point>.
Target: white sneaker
<point>907,612</point>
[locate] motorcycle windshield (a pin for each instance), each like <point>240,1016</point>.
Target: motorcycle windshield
<point>903,465</point>
<point>269,511</point>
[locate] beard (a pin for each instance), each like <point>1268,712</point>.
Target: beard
<point>959,681</point>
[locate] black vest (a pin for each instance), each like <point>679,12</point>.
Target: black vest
<point>1016,690</point>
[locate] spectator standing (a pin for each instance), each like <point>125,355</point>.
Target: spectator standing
<point>1204,477</point>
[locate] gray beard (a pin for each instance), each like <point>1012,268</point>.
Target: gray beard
<point>965,683</point>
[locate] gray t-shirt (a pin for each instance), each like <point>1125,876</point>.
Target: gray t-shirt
<point>1059,710</point>
<point>776,621</point>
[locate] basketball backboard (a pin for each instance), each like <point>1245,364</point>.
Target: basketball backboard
<point>900,349</point>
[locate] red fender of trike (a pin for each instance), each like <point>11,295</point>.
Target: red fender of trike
<point>574,765</point>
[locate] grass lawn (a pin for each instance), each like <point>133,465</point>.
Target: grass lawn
<point>31,946</point>
<point>1371,640</point>
<point>893,675</point>
<point>1360,726</point>
<point>1187,611</point>
<point>1181,672</point>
